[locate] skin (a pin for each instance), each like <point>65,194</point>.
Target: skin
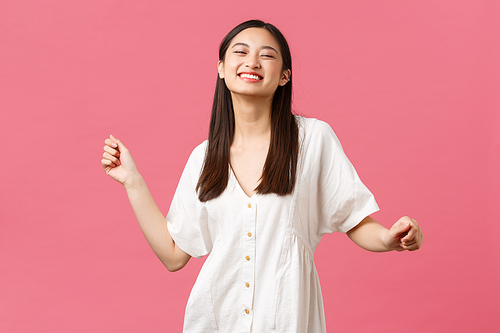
<point>119,165</point>
<point>253,50</point>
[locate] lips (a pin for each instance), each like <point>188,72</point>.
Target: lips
<point>251,76</point>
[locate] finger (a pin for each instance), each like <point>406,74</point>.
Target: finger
<point>412,247</point>
<point>415,242</point>
<point>107,164</point>
<point>402,227</point>
<point>110,157</point>
<point>410,243</point>
<point>412,233</point>
<point>111,143</point>
<point>111,151</point>
<point>409,235</point>
<point>120,145</point>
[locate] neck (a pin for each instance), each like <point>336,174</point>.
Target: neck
<point>252,119</point>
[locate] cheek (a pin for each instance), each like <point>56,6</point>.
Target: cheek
<point>276,75</point>
<point>230,63</point>
<point>276,70</point>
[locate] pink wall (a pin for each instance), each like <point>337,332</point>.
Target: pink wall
<point>411,88</point>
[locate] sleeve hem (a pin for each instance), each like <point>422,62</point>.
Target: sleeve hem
<point>182,245</point>
<point>358,217</point>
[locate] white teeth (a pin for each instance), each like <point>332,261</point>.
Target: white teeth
<point>250,76</point>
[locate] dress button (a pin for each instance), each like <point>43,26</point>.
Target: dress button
<point>247,285</point>
<point>247,258</point>
<point>249,234</point>
<point>249,206</point>
<point>247,311</point>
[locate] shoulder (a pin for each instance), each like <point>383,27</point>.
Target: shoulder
<point>196,159</point>
<point>198,154</point>
<point>315,133</point>
<point>313,126</point>
<point>199,151</point>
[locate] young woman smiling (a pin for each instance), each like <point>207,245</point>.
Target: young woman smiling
<point>257,196</point>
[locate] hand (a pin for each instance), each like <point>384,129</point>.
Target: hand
<point>118,162</point>
<point>405,234</point>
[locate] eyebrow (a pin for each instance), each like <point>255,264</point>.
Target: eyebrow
<point>266,47</point>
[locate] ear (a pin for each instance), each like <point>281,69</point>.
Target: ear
<point>285,77</point>
<point>220,69</point>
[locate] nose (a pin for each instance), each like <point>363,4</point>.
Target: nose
<point>252,61</point>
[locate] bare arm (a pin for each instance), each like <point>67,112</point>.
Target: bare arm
<point>119,164</point>
<point>405,234</point>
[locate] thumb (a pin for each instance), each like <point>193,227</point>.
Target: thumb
<point>401,227</point>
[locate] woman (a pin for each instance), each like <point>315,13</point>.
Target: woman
<point>258,196</point>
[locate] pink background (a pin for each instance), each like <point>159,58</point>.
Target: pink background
<point>411,88</point>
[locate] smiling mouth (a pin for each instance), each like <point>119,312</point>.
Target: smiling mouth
<point>250,76</point>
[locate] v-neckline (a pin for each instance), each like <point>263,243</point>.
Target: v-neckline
<point>238,185</point>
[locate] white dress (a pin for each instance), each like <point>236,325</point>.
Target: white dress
<point>260,275</point>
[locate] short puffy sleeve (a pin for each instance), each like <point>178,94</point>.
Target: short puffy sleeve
<point>336,198</point>
<point>187,219</point>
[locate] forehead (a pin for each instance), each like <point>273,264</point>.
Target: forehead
<point>255,38</point>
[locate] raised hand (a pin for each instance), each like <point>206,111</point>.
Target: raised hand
<point>405,234</point>
<point>118,162</point>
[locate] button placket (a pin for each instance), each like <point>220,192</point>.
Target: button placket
<point>248,239</point>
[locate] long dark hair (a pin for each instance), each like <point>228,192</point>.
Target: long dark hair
<point>278,175</point>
